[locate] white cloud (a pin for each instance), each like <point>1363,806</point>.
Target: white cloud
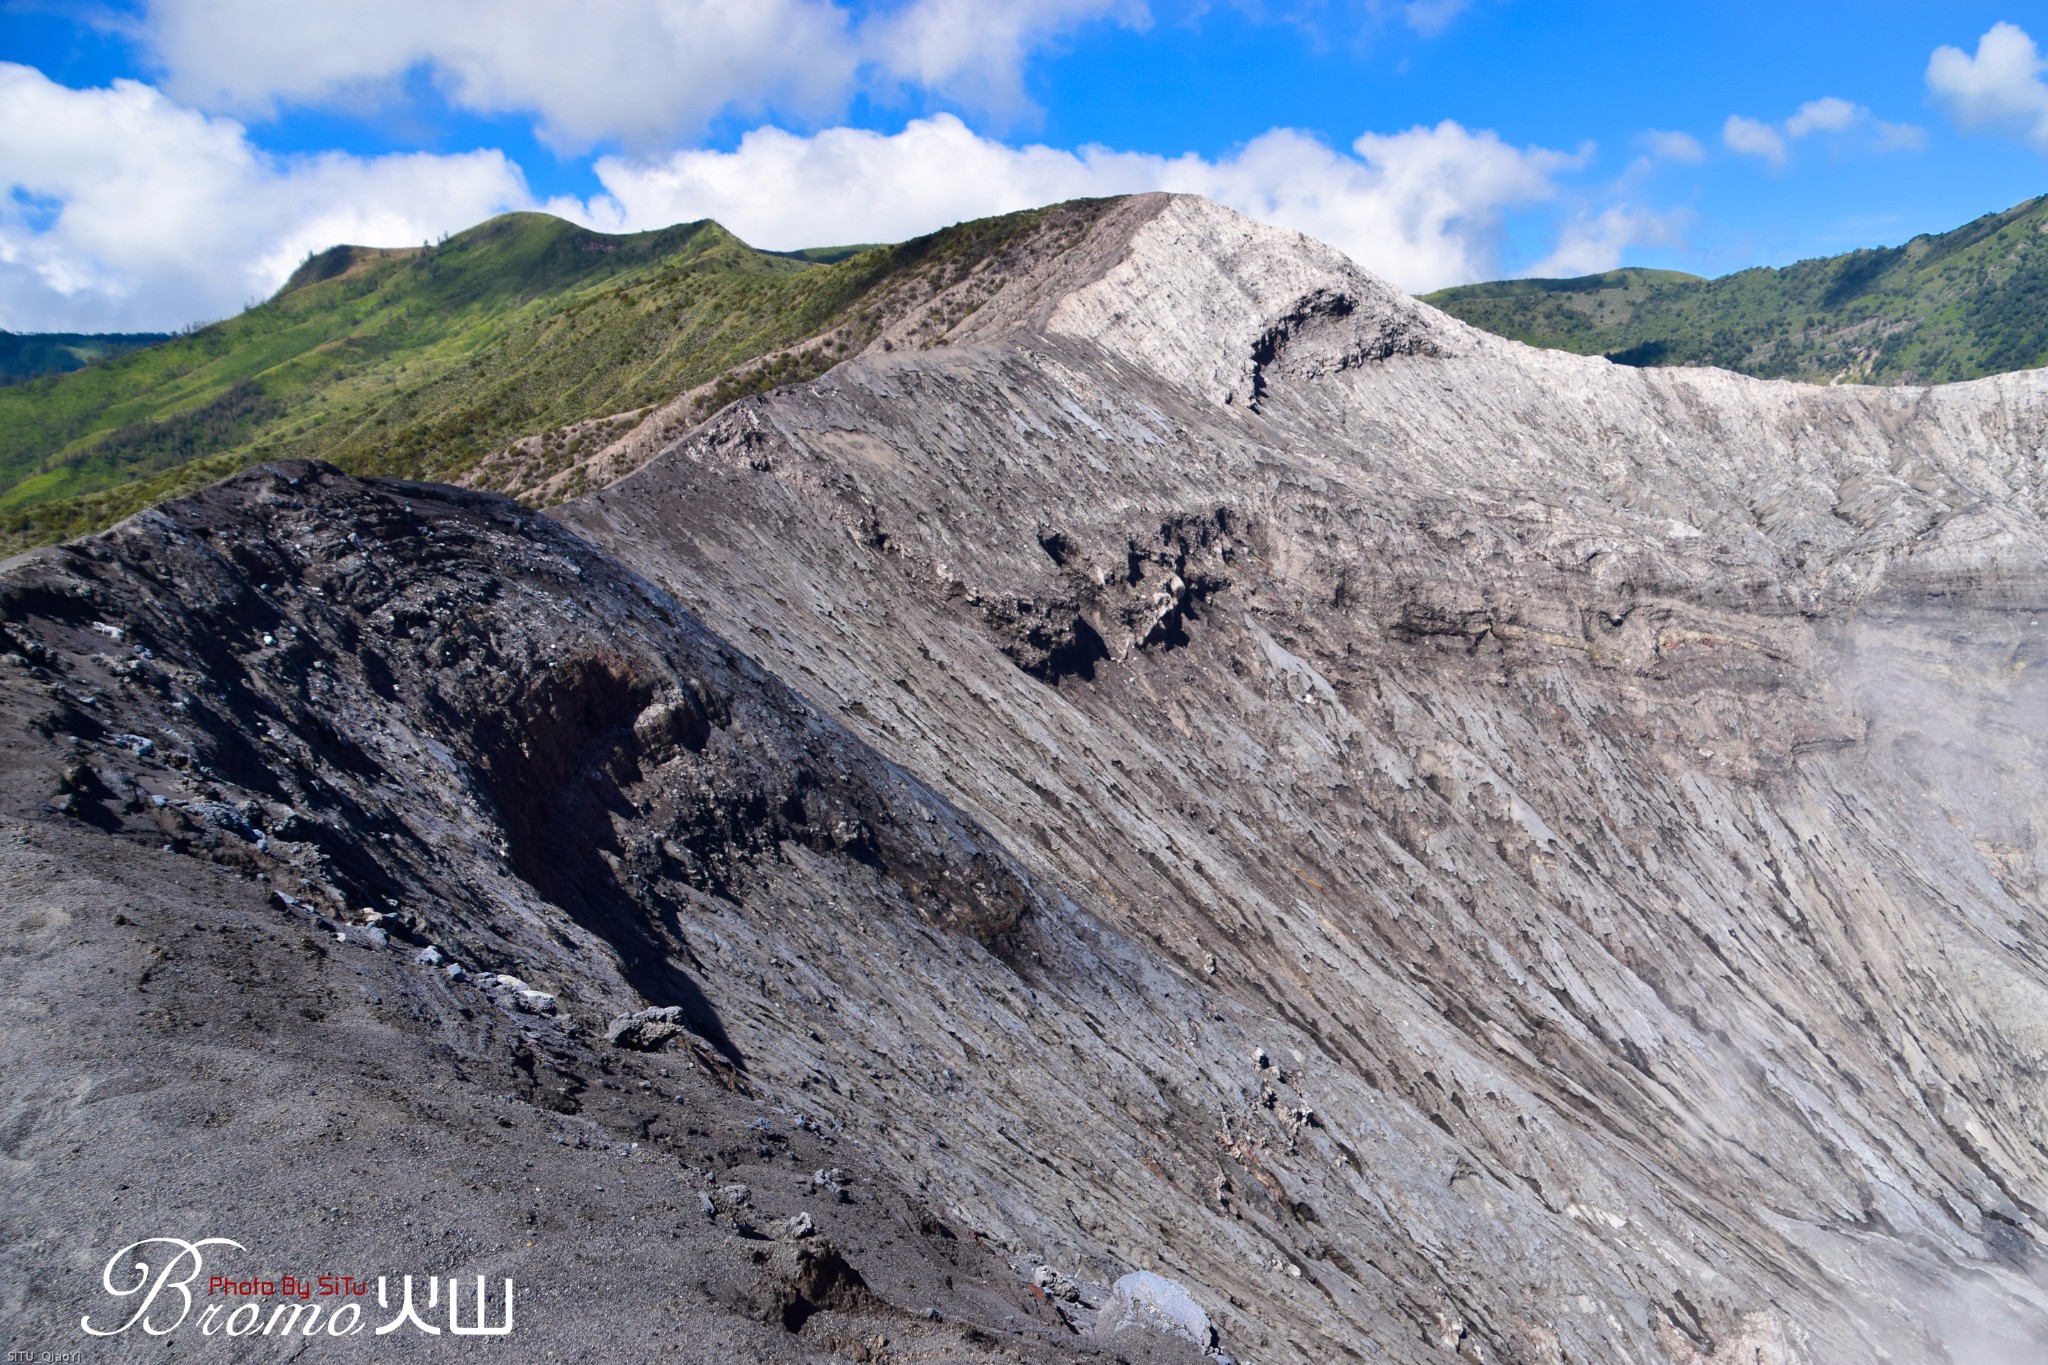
<point>639,72</point>
<point>636,70</point>
<point>1431,17</point>
<point>1591,245</point>
<point>1422,208</point>
<point>1827,114</point>
<point>1831,114</point>
<point>973,51</point>
<point>1845,124</point>
<point>119,210</point>
<point>1752,138</point>
<point>2000,87</point>
<point>1674,146</point>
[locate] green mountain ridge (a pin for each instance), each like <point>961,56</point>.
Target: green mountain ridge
<point>1939,308</point>
<point>422,361</point>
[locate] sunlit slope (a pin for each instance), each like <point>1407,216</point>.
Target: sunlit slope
<point>419,362</point>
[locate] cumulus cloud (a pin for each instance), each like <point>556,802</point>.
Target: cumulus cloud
<point>1674,146</point>
<point>638,72</point>
<point>1592,244</point>
<point>1998,88</point>
<point>1831,115</point>
<point>1422,208</point>
<point>973,51</point>
<point>1750,137</point>
<point>1828,114</point>
<point>123,211</point>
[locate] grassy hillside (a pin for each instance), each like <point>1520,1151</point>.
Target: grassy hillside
<point>28,355</point>
<point>1951,306</point>
<point>421,361</point>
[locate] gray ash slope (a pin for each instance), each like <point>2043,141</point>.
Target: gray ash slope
<point>1613,799</point>
<point>266,747</point>
<point>1439,847</point>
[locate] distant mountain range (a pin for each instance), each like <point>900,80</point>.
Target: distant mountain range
<point>1957,305</point>
<point>514,355</point>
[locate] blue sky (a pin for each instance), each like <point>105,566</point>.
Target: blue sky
<point>168,161</point>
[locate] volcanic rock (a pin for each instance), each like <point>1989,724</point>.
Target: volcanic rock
<point>1203,769</point>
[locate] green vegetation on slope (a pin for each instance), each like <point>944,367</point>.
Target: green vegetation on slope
<point>29,355</point>
<point>1956,305</point>
<point>419,362</point>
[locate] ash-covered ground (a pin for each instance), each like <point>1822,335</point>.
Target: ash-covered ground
<point>1193,772</point>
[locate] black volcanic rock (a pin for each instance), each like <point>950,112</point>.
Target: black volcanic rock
<point>382,799</point>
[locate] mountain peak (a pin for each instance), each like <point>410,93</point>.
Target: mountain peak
<point>1183,287</point>
<point>1207,297</point>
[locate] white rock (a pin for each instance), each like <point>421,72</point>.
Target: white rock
<point>1144,1301</point>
